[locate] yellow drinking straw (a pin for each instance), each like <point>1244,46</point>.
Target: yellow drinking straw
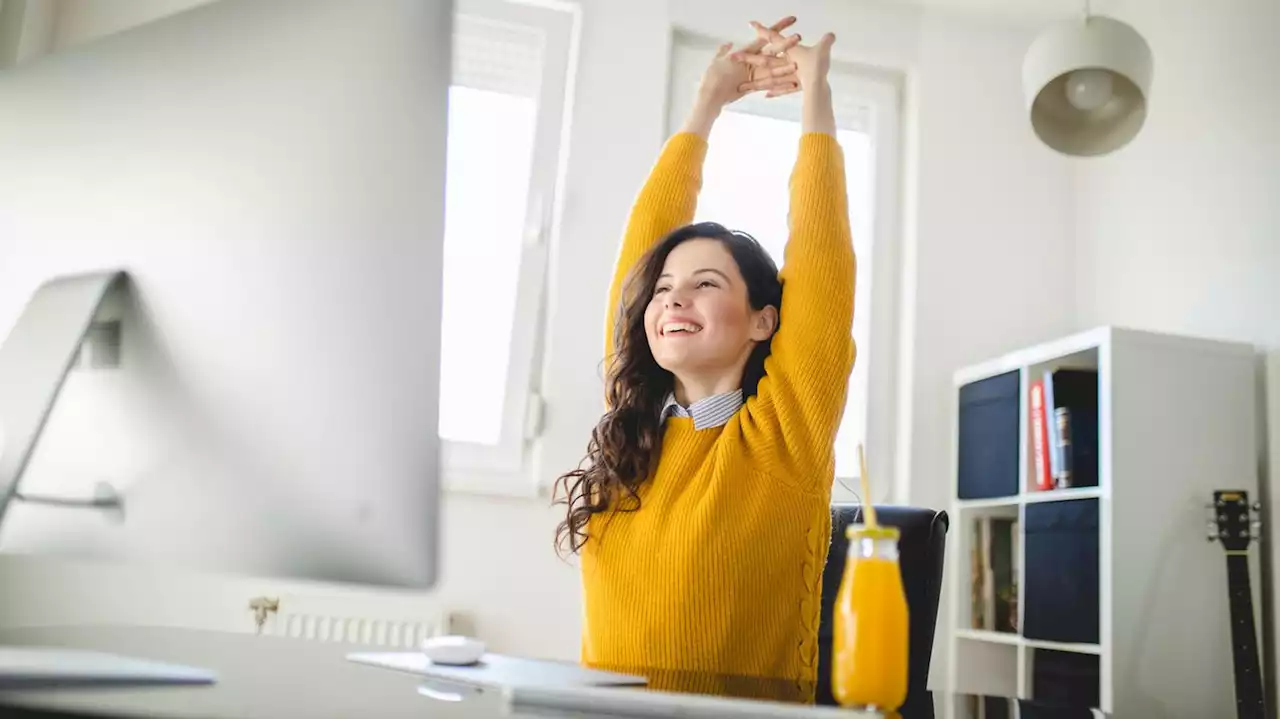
<point>868,511</point>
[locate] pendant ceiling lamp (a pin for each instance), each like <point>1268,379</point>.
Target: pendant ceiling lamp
<point>1085,83</point>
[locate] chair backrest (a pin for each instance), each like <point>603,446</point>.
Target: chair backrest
<point>921,547</point>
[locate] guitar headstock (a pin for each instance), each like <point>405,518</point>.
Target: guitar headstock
<point>1233,521</point>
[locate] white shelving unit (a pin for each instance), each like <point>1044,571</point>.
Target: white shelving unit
<point>1177,420</point>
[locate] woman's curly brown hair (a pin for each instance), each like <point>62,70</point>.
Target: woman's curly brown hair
<point>626,443</point>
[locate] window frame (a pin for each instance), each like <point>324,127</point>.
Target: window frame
<point>880,93</point>
<point>501,468</point>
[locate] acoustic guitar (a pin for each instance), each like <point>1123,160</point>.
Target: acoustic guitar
<point>1235,528</point>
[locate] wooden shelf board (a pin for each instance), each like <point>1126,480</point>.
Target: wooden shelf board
<point>1058,495</point>
<point>991,503</point>
<point>984,635</point>
<point>1062,646</point>
<point>1011,639</point>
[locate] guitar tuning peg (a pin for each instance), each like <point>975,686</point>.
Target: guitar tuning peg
<point>1257,506</point>
<point>1256,526</point>
<point>1211,538</point>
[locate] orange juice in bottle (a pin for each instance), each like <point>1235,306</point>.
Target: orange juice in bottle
<point>869,656</point>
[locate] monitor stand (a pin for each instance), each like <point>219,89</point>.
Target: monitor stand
<point>34,361</point>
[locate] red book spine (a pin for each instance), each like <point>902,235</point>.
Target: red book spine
<point>1040,437</point>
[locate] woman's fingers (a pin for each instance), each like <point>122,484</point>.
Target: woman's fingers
<point>778,26</point>
<point>769,82</point>
<point>784,70</point>
<point>762,61</point>
<point>750,59</point>
<point>825,43</point>
<point>784,90</point>
<point>778,44</point>
<point>773,39</point>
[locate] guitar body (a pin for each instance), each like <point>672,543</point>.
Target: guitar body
<point>1233,527</point>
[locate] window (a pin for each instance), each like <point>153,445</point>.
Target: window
<point>506,105</point>
<point>745,186</point>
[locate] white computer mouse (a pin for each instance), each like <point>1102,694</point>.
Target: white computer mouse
<point>453,650</point>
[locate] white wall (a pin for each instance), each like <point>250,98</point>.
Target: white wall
<point>985,206</point>
<point>1180,231</point>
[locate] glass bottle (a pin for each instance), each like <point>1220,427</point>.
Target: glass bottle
<point>869,656</point>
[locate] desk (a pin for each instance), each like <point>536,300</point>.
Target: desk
<point>279,678</point>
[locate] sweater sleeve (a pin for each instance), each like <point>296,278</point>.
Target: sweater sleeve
<point>667,201</point>
<point>800,401</point>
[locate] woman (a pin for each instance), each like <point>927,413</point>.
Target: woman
<point>702,510</point>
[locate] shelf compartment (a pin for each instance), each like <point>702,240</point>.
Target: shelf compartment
<point>1070,390</point>
<point>987,668</point>
<point>990,540</point>
<point>1062,580</point>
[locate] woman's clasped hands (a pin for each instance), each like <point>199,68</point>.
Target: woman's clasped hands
<point>774,63</point>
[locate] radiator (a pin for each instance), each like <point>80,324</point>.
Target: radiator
<point>391,634</point>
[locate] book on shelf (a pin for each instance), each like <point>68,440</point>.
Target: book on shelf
<point>1040,437</point>
<point>1064,425</point>
<point>994,559</point>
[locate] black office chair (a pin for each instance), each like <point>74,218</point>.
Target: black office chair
<point>921,547</point>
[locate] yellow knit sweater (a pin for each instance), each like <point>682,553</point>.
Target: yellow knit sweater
<point>720,570</point>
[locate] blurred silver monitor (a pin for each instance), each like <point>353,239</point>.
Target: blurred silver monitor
<point>239,210</point>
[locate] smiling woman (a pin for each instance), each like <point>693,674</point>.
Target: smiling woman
<point>708,480</point>
<point>714,306</point>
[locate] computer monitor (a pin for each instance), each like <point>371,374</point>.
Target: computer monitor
<point>259,384</point>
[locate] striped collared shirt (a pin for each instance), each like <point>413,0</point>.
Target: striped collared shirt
<point>713,411</point>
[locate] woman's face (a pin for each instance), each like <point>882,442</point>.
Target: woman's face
<point>700,320</point>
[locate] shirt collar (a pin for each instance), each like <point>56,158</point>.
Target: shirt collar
<point>708,412</point>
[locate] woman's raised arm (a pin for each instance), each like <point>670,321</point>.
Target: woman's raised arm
<point>802,396</point>
<point>669,197</point>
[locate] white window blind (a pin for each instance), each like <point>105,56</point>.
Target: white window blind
<point>497,56</point>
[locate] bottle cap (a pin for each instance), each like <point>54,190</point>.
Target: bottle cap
<point>862,531</point>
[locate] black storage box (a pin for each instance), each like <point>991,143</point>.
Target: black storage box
<point>1062,571</point>
<point>988,437</point>
<point>1066,679</point>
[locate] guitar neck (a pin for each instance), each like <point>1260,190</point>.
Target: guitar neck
<point>1250,703</point>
